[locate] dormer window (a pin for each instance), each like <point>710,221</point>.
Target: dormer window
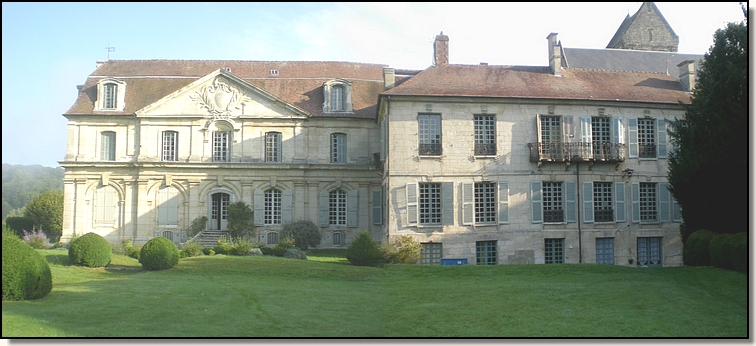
<point>337,96</point>
<point>110,95</point>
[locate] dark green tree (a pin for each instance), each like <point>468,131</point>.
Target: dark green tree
<point>708,170</point>
<point>240,220</point>
<point>46,210</point>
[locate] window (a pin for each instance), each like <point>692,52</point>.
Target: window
<point>649,251</point>
<point>168,206</point>
<point>338,148</point>
<point>337,239</point>
<point>551,137</point>
<point>110,92</point>
<point>337,96</point>
<point>105,205</point>
<point>553,209</point>
<point>553,202</point>
<point>602,202</point>
<point>554,250</point>
<point>107,146</point>
<point>646,138</point>
<point>271,238</point>
<point>485,203</point>
<point>170,139</point>
<point>110,95</point>
<point>652,202</point>
<point>430,203</point>
<point>273,147</point>
<point>221,146</point>
<point>429,132</point>
<point>601,138</point>
<point>648,202</point>
<point>431,253</point>
<point>604,250</point>
<point>485,134</point>
<point>272,207</point>
<point>485,252</point>
<point>337,213</point>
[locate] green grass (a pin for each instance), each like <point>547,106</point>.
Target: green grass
<point>265,296</point>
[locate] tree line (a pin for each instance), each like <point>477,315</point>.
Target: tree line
<point>33,199</point>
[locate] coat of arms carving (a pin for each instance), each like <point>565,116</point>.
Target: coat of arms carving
<point>220,98</point>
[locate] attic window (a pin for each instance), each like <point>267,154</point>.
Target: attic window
<point>337,96</point>
<point>227,69</point>
<point>110,95</point>
<point>274,72</point>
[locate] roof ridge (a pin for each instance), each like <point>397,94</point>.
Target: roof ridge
<point>234,60</point>
<point>605,70</point>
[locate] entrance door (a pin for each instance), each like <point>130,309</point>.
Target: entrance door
<point>219,211</point>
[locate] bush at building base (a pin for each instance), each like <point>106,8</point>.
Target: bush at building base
<point>90,250</point>
<point>26,274</point>
<point>305,234</point>
<point>363,251</point>
<point>697,248</point>
<point>730,251</point>
<point>159,253</point>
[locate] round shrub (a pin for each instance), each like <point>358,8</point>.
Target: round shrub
<point>159,253</point>
<point>305,233</point>
<point>90,250</point>
<point>26,274</point>
<point>696,251</point>
<point>295,253</point>
<point>192,248</point>
<point>363,251</point>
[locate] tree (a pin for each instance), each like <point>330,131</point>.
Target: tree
<point>46,211</point>
<point>240,220</point>
<point>305,234</point>
<point>708,172</point>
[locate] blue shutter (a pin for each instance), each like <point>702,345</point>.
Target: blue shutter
<point>352,199</point>
<point>635,197</point>
<point>378,207</point>
<point>588,202</point>
<point>467,204</point>
<point>570,203</point>
<point>447,203</point>
<point>259,207</point>
<point>586,137</point>
<point>535,201</point>
<point>286,206</point>
<point>503,202</point>
<point>619,202</point>
<point>411,190</point>
<point>661,146</point>
<point>324,206</point>
<point>632,138</point>
<point>664,204</point>
<point>618,135</point>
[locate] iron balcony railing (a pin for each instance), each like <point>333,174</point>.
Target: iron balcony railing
<point>577,151</point>
<point>482,149</point>
<point>555,215</point>
<point>603,215</point>
<point>430,149</point>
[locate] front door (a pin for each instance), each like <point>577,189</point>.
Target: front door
<point>219,211</point>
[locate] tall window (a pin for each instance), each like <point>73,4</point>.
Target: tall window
<point>604,250</point>
<point>649,251</point>
<point>273,147</point>
<point>485,203</point>
<point>553,202</point>
<point>110,94</point>
<point>338,98</point>
<point>338,148</point>
<point>170,139</point>
<point>431,253</point>
<point>429,131</point>
<point>602,202</point>
<point>485,252</point>
<point>554,250</point>
<point>107,146</point>
<point>602,137</point>
<point>105,205</point>
<point>337,212</point>
<point>221,146</point>
<point>551,136</point>
<point>430,203</point>
<point>648,200</point>
<point>272,214</point>
<point>646,138</point>
<point>485,134</point>
<point>168,206</point>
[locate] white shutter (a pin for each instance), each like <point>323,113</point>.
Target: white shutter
<point>619,202</point>
<point>324,206</point>
<point>503,202</point>
<point>588,202</point>
<point>664,203</point>
<point>411,191</point>
<point>586,137</point>
<point>535,201</point>
<point>447,203</point>
<point>570,201</point>
<point>661,146</point>
<point>618,132</point>
<point>632,138</point>
<point>352,199</point>
<point>467,204</point>
<point>635,200</point>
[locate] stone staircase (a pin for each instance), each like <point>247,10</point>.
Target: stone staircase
<point>209,238</point>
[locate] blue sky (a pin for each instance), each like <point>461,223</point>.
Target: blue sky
<point>49,48</point>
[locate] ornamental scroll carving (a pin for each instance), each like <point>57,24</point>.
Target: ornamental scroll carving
<point>221,99</point>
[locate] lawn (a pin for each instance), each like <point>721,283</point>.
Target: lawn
<point>265,296</point>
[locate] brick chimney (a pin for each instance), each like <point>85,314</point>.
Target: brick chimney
<point>389,78</point>
<point>555,54</point>
<point>687,74</point>
<point>441,50</point>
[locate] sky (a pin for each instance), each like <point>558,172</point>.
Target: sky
<point>49,48</point>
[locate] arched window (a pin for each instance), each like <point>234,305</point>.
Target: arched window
<point>110,95</point>
<point>337,96</point>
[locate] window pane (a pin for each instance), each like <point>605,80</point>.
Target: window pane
<point>605,250</point>
<point>221,146</point>
<point>649,251</point>
<point>485,134</point>
<point>107,146</point>
<point>603,210</point>
<point>337,98</point>
<point>485,252</point>
<point>648,197</point>
<point>338,210</point>
<point>552,199</point>
<point>554,250</point>
<point>169,146</point>
<point>429,133</point>
<point>110,96</point>
<point>431,253</point>
<point>338,148</point>
<point>647,138</point>
<point>430,203</point>
<point>273,147</point>
<point>485,203</point>
<point>272,211</point>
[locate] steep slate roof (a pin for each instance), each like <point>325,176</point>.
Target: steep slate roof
<point>535,82</point>
<point>622,30</point>
<point>628,60</point>
<point>298,82</point>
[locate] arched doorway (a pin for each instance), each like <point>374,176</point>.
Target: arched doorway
<point>218,219</point>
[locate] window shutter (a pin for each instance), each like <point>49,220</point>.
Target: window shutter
<point>503,202</point>
<point>586,137</point>
<point>467,204</point>
<point>411,190</point>
<point>162,207</point>
<point>535,201</point>
<point>619,202</point>
<point>352,199</point>
<point>635,197</point>
<point>259,207</point>
<point>617,131</point>
<point>286,206</point>
<point>632,138</point>
<point>569,130</point>
<point>664,205</point>
<point>676,211</point>
<point>588,202</point>
<point>324,205</point>
<point>378,207</point>
<point>661,146</point>
<point>539,139</point>
<point>447,203</point>
<point>570,203</point>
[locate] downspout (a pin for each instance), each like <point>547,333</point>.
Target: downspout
<point>577,201</point>
<point>387,142</point>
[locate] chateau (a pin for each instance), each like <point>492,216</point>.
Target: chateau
<point>564,163</point>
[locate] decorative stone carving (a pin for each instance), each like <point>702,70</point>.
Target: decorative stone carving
<point>221,99</point>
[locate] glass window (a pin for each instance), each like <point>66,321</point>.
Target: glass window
<point>554,250</point>
<point>648,200</point>
<point>485,203</point>
<point>338,148</point>
<point>271,238</point>
<point>431,253</point>
<point>337,212</point>
<point>107,146</point>
<point>109,99</point>
<point>603,210</point>
<point>221,146</point>
<point>429,126</point>
<point>485,134</point>
<point>649,251</point>
<point>605,250</point>
<point>169,145</point>
<point>273,147</point>
<point>485,252</point>
<point>553,209</point>
<point>338,98</point>
<point>646,138</point>
<point>272,210</point>
<point>430,203</point>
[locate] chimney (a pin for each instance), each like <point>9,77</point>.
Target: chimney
<point>388,78</point>
<point>79,87</point>
<point>441,50</point>
<point>687,74</point>
<point>555,54</point>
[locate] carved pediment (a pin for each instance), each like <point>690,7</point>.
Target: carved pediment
<point>221,98</point>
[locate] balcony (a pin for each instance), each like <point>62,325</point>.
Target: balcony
<point>553,216</point>
<point>482,149</point>
<point>576,152</point>
<point>433,149</point>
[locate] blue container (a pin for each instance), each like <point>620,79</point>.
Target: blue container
<point>453,261</point>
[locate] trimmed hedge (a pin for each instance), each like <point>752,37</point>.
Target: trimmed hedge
<point>26,274</point>
<point>363,251</point>
<point>90,250</point>
<point>696,252</point>
<point>159,253</point>
<point>730,251</point>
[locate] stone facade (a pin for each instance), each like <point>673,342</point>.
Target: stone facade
<point>645,30</point>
